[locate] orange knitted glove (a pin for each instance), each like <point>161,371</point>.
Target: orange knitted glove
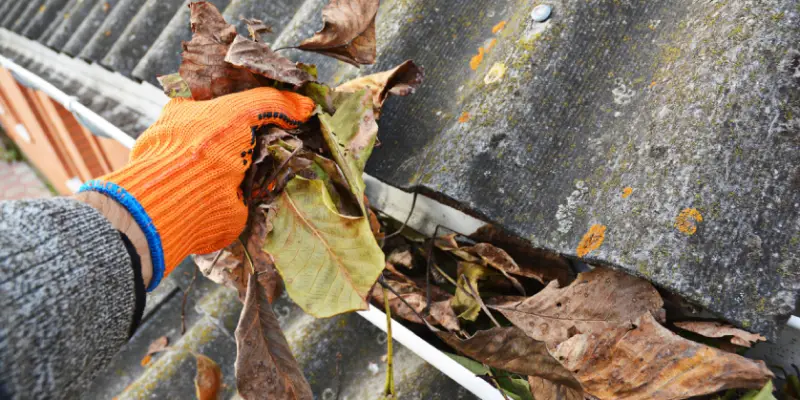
<point>181,184</point>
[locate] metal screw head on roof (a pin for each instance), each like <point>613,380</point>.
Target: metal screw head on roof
<point>541,13</point>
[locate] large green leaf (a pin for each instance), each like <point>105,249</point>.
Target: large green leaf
<point>350,135</point>
<point>328,261</point>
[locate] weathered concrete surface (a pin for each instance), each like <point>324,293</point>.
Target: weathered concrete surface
<point>690,104</point>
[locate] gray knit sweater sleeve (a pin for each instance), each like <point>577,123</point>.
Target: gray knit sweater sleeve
<point>67,297</point>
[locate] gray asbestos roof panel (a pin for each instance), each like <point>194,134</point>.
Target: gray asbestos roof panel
<point>29,11</point>
<point>91,24</point>
<point>114,24</point>
<point>73,16</point>
<point>10,16</point>
<point>140,34</point>
<point>44,18</point>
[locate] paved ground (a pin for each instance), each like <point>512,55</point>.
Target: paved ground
<point>19,181</point>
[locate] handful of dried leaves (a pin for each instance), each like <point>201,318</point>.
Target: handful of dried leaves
<point>519,316</point>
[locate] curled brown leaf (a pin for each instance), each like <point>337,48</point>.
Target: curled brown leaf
<point>713,329</point>
<point>401,80</point>
<point>259,59</point>
<point>348,33</point>
<point>648,361</point>
<point>440,311</point>
<point>208,379</point>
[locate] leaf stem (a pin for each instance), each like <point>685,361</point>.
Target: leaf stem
<point>282,165</point>
<point>474,294</point>
<point>445,276</point>
<point>389,388</point>
<point>405,223</point>
<point>247,255</point>
<point>496,383</point>
<point>386,285</point>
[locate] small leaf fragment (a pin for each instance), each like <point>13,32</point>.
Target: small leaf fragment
<point>158,345</point>
<point>463,302</point>
<point>764,394</point>
<point>256,27</point>
<point>174,86</point>
<point>208,379</point>
<point>259,59</point>
<point>543,389</point>
<point>348,33</point>
<point>716,329</point>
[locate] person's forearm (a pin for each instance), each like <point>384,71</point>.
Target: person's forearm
<point>121,220</point>
<point>69,296</point>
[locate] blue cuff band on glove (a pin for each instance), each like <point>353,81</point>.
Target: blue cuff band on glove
<point>127,200</point>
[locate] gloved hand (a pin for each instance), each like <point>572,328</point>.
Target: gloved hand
<point>181,184</point>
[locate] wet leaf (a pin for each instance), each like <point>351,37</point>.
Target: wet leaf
<point>329,261</point>
<point>208,379</point>
<point>647,361</point>
<point>598,299</point>
<point>463,301</point>
<point>265,366</point>
<point>401,80</point>
<point>256,28</point>
<point>203,66</point>
<point>259,59</point>
<point>764,394</point>
<point>348,33</point>
<point>543,389</point>
<point>158,345</point>
<point>174,86</point>
<point>440,311</point>
<point>350,135</point>
<point>509,349</point>
<point>716,329</point>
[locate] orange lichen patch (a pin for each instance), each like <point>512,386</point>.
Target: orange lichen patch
<point>106,7</point>
<point>499,27</point>
<point>591,240</point>
<point>627,192</point>
<point>687,221</point>
<point>42,8</point>
<point>477,59</point>
<point>491,44</point>
<point>146,360</point>
<point>653,83</point>
<point>464,117</point>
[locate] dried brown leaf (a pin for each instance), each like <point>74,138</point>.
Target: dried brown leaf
<point>543,389</point>
<point>509,349</point>
<point>440,311</point>
<point>401,257</point>
<point>204,67</point>
<point>256,28</point>
<point>401,80</point>
<point>158,345</point>
<point>265,366</point>
<point>596,300</point>
<point>348,33</point>
<point>208,379</point>
<point>259,59</point>
<point>500,260</point>
<point>650,362</point>
<point>535,263</point>
<point>717,329</point>
<point>228,270</point>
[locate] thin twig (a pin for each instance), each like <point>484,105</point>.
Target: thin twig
<point>282,165</point>
<point>389,387</point>
<point>497,384</point>
<point>186,294</point>
<point>405,223</point>
<point>286,48</point>
<point>249,259</point>
<point>449,279</point>
<point>477,298</point>
<point>386,285</point>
